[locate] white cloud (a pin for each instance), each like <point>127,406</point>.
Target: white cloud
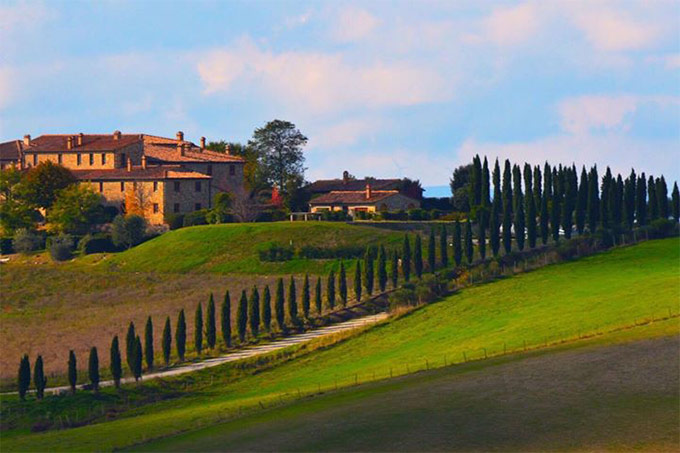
<point>353,24</point>
<point>345,133</point>
<point>612,30</point>
<point>512,25</point>
<point>24,15</point>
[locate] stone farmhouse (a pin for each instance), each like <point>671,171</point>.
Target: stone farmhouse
<point>157,176</point>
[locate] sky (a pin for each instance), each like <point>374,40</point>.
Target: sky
<point>380,88</point>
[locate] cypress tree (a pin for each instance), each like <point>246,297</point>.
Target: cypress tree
<point>518,208</point>
<point>39,379</point>
<point>468,242</point>
<point>394,269</point>
<point>242,316</point>
<point>115,362</point>
<point>604,198</point>
<point>306,297</point>
<point>507,208</point>
<point>342,284</point>
<point>382,269</point>
<point>568,201</point>
<point>73,370</point>
<point>211,327</point>
<point>148,343</point>
<point>137,368</point>
<point>537,187</point>
<point>675,202</point>
<point>93,369</point>
<point>629,199</point>
<point>641,200</point>
<point>418,257</point>
<point>167,341</point>
<point>431,252</point>
<point>531,218</point>
<point>292,302</point>
<point>475,183</point>
<point>481,236</point>
<point>369,276</point>
<point>593,200</point>
<point>330,288</point>
<point>517,197</point>
<point>267,309</point>
<point>225,319</point>
<point>616,202</point>
<point>406,258</point>
<point>130,345</point>
<point>653,202</point>
<point>318,301</point>
<point>198,329</point>
<point>254,312</point>
<point>662,196</point>
<point>24,376</point>
<point>485,184</point>
<point>443,248</point>
<point>278,305</point>
<point>543,219</point>
<point>555,217</point>
<point>582,202</point>
<point>496,177</point>
<point>457,244</point>
<point>494,240</point>
<point>181,335</point>
<point>357,281</point>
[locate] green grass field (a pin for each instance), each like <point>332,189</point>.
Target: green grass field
<point>601,293</point>
<point>233,248</point>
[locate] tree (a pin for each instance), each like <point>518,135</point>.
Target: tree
<point>115,362</point>
<point>369,277</point>
<point>242,316</point>
<point>279,146</point>
<point>254,312</point>
<point>382,269</point>
<point>582,202</point>
<point>357,281</point>
<point>641,200</point>
<point>292,302</point>
<point>443,248</point>
<point>306,297</point>
<point>616,202</point>
<point>592,208</point>
<point>519,211</point>
<point>198,329</point>
<point>137,368</point>
<point>42,183</point>
<point>662,197</point>
<point>24,377</point>
<point>330,289</point>
<point>406,259</point>
<point>72,371</point>
<point>485,201</point>
<point>318,301</point>
<point>569,201</point>
<point>211,328</point>
<point>531,218</point>
<point>604,198</point>
<point>507,208</point>
<point>457,244</point>
<point>555,215</point>
<point>93,369</point>
<point>481,236</point>
<point>267,309</point>
<point>342,284</point>
<point>675,202</point>
<point>148,343</point>
<point>278,305</point>
<point>181,335</point>
<point>167,341</point>
<point>629,199</point>
<point>394,269</point>
<point>468,242</point>
<point>225,319</point>
<point>460,188</point>
<point>74,209</point>
<point>431,253</point>
<point>476,183</point>
<point>128,231</point>
<point>39,379</point>
<point>130,345</point>
<point>543,220</point>
<point>494,240</point>
<point>653,201</point>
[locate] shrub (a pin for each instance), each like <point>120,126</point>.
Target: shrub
<point>27,241</point>
<point>196,218</point>
<point>128,231</point>
<point>335,216</point>
<point>339,252</point>
<point>6,246</point>
<point>61,247</point>
<point>398,215</point>
<point>418,214</point>
<point>174,221</point>
<point>273,251</point>
<point>272,215</point>
<point>404,296</point>
<point>96,243</point>
<point>662,228</point>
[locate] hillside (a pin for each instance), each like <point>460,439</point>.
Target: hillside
<point>233,248</point>
<point>601,293</point>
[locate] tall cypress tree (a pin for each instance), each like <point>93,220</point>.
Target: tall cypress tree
<point>475,183</point>
<point>469,251</point>
<point>330,288</point>
<point>431,252</point>
<point>497,197</point>
<point>485,201</point>
<point>225,319</point>
<point>593,200</point>
<point>604,198</point>
<point>629,199</point>
<point>641,200</point>
<point>443,248</point>
<point>368,272</point>
<point>616,202</point>
<point>167,341</point>
<point>406,258</point>
<point>394,269</point>
<point>538,193</point>
<point>555,216</point>
<point>278,305</point>
<point>318,301</point>
<point>675,202</point>
<point>306,297</point>
<point>211,327</point>
<point>39,379</point>
<point>24,376</point>
<point>382,269</point>
<point>130,345</point>
<point>662,196</point>
<point>254,312</point>
<point>357,281</point>
<point>181,335</point>
<point>93,369</point>
<point>517,197</point>
<point>267,309</point>
<point>115,362</point>
<point>481,235</point>
<point>494,240</point>
<point>582,202</point>
<point>342,284</point>
<point>543,219</point>
<point>148,343</point>
<point>418,257</point>
<point>568,201</point>
<point>242,316</point>
<point>198,329</point>
<point>137,367</point>
<point>653,202</point>
<point>292,302</point>
<point>457,244</point>
<point>531,218</point>
<point>73,369</point>
<point>507,208</point>
<point>518,208</point>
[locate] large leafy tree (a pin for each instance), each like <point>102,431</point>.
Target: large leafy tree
<point>460,188</point>
<point>42,183</point>
<point>74,210</point>
<point>15,212</point>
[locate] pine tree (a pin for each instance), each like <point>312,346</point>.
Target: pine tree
<point>93,369</point>
<point>242,316</point>
<point>382,269</point>
<point>469,251</point>
<point>629,199</point>
<point>211,327</point>
<point>675,202</point>
<point>641,201</point>
<point>198,329</point>
<point>518,208</point>
<point>394,269</point>
<point>342,284</point>
<point>39,379</point>
<point>653,202</point>
<point>431,252</point>
<point>181,335</point>
<point>457,244</point>
<point>406,259</point>
<point>582,202</point>
<point>167,341</point>
<point>494,240</point>
<point>130,345</point>
<point>148,343</point>
<point>443,248</point>
<point>292,302</point>
<point>254,312</point>
<point>318,301</point>
<point>24,377</point>
<point>306,297</point>
<point>369,276</point>
<point>137,368</point>
<point>481,235</point>
<point>418,257</point>
<point>278,305</point>
<point>225,319</point>
<point>357,281</point>
<point>662,197</point>
<point>593,206</point>
<point>330,289</point>
<point>73,370</point>
<point>115,362</point>
<point>267,309</point>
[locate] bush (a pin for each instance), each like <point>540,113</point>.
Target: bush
<point>272,215</point>
<point>403,297</point>
<point>273,251</point>
<point>662,228</point>
<point>128,231</point>
<point>196,218</point>
<point>27,241</point>
<point>398,215</point>
<point>418,214</point>
<point>6,246</point>
<point>105,214</point>
<point>61,247</point>
<point>98,243</point>
<point>344,252</point>
<point>604,238</point>
<point>174,221</point>
<point>335,216</point>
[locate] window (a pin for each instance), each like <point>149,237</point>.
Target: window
<point>175,208</point>
<point>176,186</point>
<point>155,186</point>
<point>155,208</point>
<point>209,169</point>
<point>198,186</point>
<point>197,206</point>
<point>59,159</point>
<point>35,159</point>
<point>101,187</point>
<point>79,159</point>
<point>232,169</point>
<point>122,186</point>
<point>103,158</point>
<point>91,159</point>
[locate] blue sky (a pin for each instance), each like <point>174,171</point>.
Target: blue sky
<point>380,88</point>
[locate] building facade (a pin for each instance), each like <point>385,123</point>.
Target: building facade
<point>367,200</point>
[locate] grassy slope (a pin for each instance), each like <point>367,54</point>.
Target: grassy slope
<point>602,292</point>
<point>232,248</point>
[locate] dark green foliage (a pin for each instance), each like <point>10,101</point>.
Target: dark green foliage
<point>675,202</point>
<point>604,199</point>
<point>629,199</point>
<point>254,312</point>
<point>292,302</point>
<point>382,269</point>
<point>148,343</point>
<point>662,197</point>
<point>242,317</point>
<point>330,289</point>
<point>592,209</point>
<point>519,220</point>
<point>128,231</point>
<point>569,201</point>
<point>130,345</point>
<point>73,370</point>
<point>481,236</point>
<point>418,257</point>
<point>181,335</point>
<point>137,368</point>
<point>342,284</point>
<point>494,239</point>
<point>485,201</point>
<point>443,248</point>
<point>457,244</point>
<point>497,192</point>
<point>582,202</point>
<point>543,220</point>
<point>555,207</point>
<point>469,250</point>
<point>42,183</point>
<point>431,252</point>
<point>641,201</point>
<point>369,274</point>
<point>531,218</point>
<point>394,269</point>
<point>225,319</point>
<point>517,198</point>
<point>61,247</point>
<point>24,376</point>
<point>406,258</point>
<point>616,202</point>
<point>39,379</point>
<point>198,329</point>
<point>357,281</point>
<point>166,341</point>
<point>475,182</point>
<point>267,309</point>
<point>653,202</point>
<point>115,362</point>
<point>306,297</point>
<point>278,305</point>
<point>93,368</point>
<point>210,327</point>
<point>318,300</point>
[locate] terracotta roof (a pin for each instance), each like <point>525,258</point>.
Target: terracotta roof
<point>91,142</point>
<point>329,185</point>
<point>139,173</point>
<point>11,150</point>
<point>161,149</point>
<point>353,197</point>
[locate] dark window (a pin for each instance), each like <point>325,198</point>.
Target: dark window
<point>155,208</point>
<point>176,186</point>
<point>175,208</point>
<point>122,186</point>
<point>198,206</point>
<point>101,187</point>
<point>35,159</point>
<point>91,159</point>
<point>103,158</point>
<point>79,159</point>
<point>210,169</point>
<point>232,170</point>
<point>198,186</point>
<point>155,186</point>
<point>59,158</point>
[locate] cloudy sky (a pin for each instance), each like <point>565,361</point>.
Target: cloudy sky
<point>380,88</point>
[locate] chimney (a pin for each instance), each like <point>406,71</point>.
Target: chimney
<point>180,136</point>
<point>69,142</point>
<point>345,177</point>
<point>116,135</point>
<point>143,162</point>
<point>27,140</point>
<point>80,139</point>
<point>227,149</point>
<point>202,142</point>
<point>369,192</point>
<point>129,164</point>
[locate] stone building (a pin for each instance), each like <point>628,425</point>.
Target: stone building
<point>367,200</point>
<point>10,154</point>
